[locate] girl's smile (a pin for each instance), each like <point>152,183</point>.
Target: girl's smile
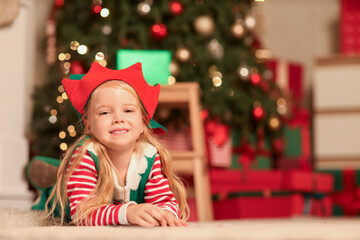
<point>119,131</point>
<point>115,118</point>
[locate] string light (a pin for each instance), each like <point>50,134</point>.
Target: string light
<point>74,45</point>
<point>250,21</point>
<point>171,80</point>
<point>104,12</point>
<point>281,109</point>
<point>64,95</point>
<point>243,72</point>
<point>61,88</point>
<point>63,146</point>
<point>53,112</point>
<point>52,119</point>
<point>67,56</point>
<point>82,49</point>
<point>67,65</point>
<point>217,81</point>
<point>61,56</point>
<point>99,56</point>
<point>59,99</point>
<point>263,54</point>
<point>70,128</point>
<point>62,135</point>
<point>144,8</point>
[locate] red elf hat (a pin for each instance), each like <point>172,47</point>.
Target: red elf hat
<point>80,90</point>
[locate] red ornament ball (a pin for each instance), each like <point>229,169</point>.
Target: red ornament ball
<point>97,9</point>
<point>176,7</point>
<point>278,145</point>
<point>76,68</point>
<point>255,79</point>
<point>59,3</point>
<point>159,31</point>
<point>258,113</point>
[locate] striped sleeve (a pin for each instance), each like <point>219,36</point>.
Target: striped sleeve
<point>81,183</point>
<point>157,189</point>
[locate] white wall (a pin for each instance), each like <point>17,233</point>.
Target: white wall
<point>16,51</point>
<point>300,31</point>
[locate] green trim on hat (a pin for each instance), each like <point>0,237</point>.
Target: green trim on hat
<point>157,127</point>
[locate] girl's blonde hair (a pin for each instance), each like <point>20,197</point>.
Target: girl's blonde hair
<point>103,192</point>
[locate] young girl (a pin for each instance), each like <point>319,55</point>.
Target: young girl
<point>117,173</point>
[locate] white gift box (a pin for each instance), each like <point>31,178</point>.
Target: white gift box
<point>336,126</point>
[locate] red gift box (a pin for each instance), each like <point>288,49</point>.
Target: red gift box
<point>288,76</point>
<point>350,22</point>
<point>306,181</point>
<point>224,181</point>
<point>259,207</point>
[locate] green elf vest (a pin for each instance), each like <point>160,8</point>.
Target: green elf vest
<point>137,176</point>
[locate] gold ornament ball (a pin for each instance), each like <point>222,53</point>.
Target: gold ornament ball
<point>274,123</point>
<point>174,68</point>
<point>144,9</point>
<point>204,25</point>
<point>183,54</point>
<point>237,30</point>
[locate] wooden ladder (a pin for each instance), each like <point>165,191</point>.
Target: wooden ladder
<point>191,162</point>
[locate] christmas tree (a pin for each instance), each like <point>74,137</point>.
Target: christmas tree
<point>212,42</point>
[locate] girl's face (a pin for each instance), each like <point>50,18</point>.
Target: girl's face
<point>114,118</point>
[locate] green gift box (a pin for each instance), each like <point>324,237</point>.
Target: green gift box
<point>155,63</point>
<point>293,142</point>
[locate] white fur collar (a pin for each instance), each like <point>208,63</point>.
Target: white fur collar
<point>137,166</point>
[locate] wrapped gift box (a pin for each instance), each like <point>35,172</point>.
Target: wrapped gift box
<point>155,63</point>
<point>306,181</point>
<point>346,196</point>
<point>288,75</point>
<point>225,181</point>
<point>320,205</point>
<point>349,26</point>
<point>297,154</point>
<point>249,157</point>
<point>218,140</point>
<point>277,205</point>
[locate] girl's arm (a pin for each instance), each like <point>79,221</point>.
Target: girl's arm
<point>81,183</point>
<point>157,190</point>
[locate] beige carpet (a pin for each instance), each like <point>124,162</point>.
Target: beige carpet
<point>16,224</point>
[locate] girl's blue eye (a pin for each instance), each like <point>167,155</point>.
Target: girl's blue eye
<point>129,110</point>
<point>104,113</point>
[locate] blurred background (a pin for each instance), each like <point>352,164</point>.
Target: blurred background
<point>279,100</point>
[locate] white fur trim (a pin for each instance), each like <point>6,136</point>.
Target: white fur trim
<point>91,148</point>
<point>138,165</point>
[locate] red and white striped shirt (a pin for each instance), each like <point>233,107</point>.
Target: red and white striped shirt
<point>83,180</point>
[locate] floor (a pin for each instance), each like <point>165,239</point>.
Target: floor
<point>17,225</point>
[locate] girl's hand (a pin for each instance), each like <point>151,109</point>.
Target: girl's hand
<point>145,215</point>
<point>173,221</point>
<point>148,215</point>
